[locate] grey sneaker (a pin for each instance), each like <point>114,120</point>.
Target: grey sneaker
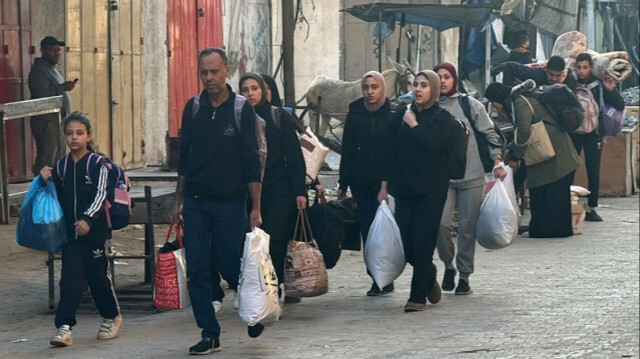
<point>63,337</point>
<point>110,327</point>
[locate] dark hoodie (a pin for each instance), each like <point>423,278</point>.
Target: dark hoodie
<point>81,194</point>
<point>421,160</point>
<point>366,145</point>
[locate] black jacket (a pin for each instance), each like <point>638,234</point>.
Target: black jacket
<point>285,164</point>
<point>218,163</point>
<point>514,70</point>
<point>82,195</point>
<point>420,161</point>
<point>366,145</point>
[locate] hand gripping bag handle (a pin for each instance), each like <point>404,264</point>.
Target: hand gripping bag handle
<point>178,229</point>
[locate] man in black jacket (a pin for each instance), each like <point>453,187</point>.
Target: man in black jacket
<point>219,165</point>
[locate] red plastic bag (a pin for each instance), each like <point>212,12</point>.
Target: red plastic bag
<point>170,283</point>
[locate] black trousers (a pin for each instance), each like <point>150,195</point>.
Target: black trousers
<point>367,202</point>
<point>85,259</point>
<point>551,210</point>
<point>592,145</point>
<point>50,144</point>
<point>418,218</point>
<point>278,209</point>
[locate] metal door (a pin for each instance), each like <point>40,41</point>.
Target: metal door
<point>15,61</point>
<point>192,25</point>
<point>104,51</point>
<point>125,36</point>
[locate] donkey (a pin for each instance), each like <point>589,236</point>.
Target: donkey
<point>337,95</point>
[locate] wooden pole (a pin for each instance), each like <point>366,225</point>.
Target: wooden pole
<point>288,26</point>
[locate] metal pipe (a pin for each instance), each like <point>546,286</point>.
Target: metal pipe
<point>418,49</point>
<point>591,24</point>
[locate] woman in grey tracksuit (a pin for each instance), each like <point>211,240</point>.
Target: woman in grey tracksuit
<point>467,192</point>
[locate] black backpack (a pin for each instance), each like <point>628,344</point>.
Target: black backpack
<point>481,139</point>
<point>458,148</point>
<point>563,106</point>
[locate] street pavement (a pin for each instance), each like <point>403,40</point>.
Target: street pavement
<point>538,298</point>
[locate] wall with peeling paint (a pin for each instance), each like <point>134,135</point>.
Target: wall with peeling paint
<point>247,37</point>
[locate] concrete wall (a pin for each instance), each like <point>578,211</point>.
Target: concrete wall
<point>317,44</point>
<point>155,80</point>
<point>247,37</point>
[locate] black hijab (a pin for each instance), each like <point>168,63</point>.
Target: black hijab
<point>275,95</point>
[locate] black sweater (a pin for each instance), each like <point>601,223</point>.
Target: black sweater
<point>366,145</point>
<point>82,195</point>
<point>420,163</point>
<point>216,161</point>
<point>285,164</point>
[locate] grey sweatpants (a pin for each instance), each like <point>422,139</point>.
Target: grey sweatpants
<point>468,201</point>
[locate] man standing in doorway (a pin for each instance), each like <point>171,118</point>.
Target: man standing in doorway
<point>219,165</point>
<point>45,81</point>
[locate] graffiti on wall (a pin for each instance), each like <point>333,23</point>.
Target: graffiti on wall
<point>249,37</point>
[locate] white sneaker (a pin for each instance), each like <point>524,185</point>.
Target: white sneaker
<point>110,327</point>
<point>236,302</point>
<point>217,306</point>
<point>63,337</point>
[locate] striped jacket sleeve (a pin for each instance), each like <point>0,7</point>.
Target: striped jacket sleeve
<point>100,194</point>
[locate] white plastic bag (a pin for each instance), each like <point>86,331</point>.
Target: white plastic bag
<point>383,251</point>
<point>497,224</point>
<point>511,191</point>
<point>258,285</point>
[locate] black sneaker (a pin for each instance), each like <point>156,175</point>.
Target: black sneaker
<point>374,291</point>
<point>388,289</point>
<point>205,346</point>
<point>463,287</point>
<point>592,217</point>
<point>449,280</point>
<point>256,330</point>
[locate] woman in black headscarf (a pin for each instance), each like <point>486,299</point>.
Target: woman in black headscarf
<point>283,187</point>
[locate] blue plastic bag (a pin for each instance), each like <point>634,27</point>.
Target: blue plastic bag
<point>41,223</point>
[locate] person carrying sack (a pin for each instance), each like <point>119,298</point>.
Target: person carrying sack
<point>548,181</point>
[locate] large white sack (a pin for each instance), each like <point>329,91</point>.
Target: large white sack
<point>383,251</point>
<point>258,285</point>
<point>497,224</point>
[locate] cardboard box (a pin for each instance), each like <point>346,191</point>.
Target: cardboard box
<point>577,218</point>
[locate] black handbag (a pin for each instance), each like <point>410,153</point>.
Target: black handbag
<point>327,229</point>
<point>346,209</point>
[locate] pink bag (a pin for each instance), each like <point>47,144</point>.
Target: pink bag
<point>170,283</point>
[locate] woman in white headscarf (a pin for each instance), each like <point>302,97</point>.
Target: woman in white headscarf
<point>370,123</point>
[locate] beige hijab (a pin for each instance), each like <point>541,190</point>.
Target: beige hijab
<point>434,86</point>
<point>380,79</point>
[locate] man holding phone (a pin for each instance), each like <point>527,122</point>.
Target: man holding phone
<point>45,81</point>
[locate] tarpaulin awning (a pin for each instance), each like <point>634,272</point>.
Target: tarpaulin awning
<point>439,17</point>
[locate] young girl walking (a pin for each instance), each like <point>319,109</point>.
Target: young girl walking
<point>81,191</point>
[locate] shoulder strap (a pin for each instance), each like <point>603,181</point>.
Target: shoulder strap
<point>195,106</point>
<point>463,101</point>
<point>62,171</point>
<point>238,104</point>
<point>276,113</point>
<point>533,114</point>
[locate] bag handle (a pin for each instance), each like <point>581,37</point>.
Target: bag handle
<point>321,197</point>
<point>303,219</point>
<point>533,114</point>
<point>178,229</point>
